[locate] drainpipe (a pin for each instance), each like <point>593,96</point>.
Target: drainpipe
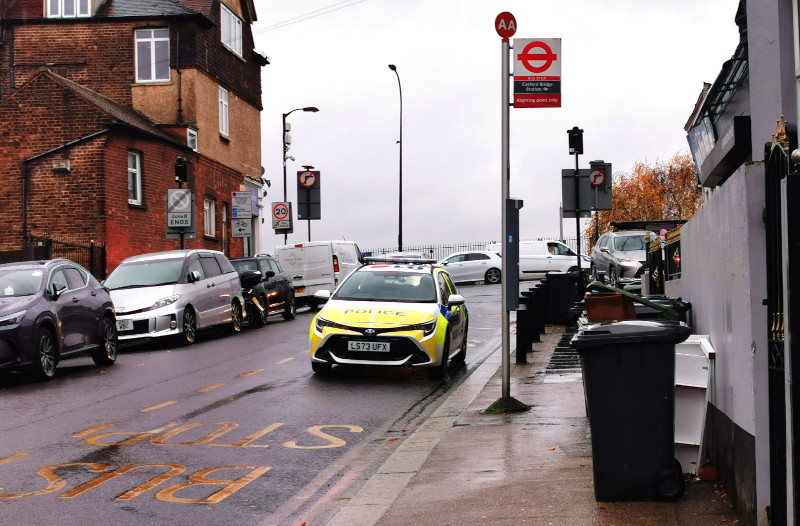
<point>178,72</point>
<point>24,182</point>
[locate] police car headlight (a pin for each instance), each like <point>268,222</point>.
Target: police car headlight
<point>427,328</point>
<point>321,323</point>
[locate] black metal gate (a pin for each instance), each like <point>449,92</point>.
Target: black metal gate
<point>777,168</point>
<point>91,256</point>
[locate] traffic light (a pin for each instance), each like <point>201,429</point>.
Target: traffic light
<point>575,141</point>
<point>181,169</point>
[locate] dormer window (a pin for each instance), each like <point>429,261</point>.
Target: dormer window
<point>231,30</point>
<point>191,139</point>
<point>67,8</point>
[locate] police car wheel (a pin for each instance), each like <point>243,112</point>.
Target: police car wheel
<point>440,370</point>
<point>462,353</point>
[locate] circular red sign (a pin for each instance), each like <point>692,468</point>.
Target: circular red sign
<point>307,179</point>
<point>505,24</point>
<point>527,56</point>
<point>280,211</point>
<point>597,177</point>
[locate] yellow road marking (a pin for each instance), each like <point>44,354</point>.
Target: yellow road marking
<point>210,387</point>
<point>158,406</point>
<point>91,430</point>
<point>285,360</point>
<point>250,373</point>
<point>12,457</point>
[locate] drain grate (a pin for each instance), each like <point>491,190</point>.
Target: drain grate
<point>565,359</point>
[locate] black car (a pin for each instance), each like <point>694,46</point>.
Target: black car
<point>274,294</point>
<point>50,311</point>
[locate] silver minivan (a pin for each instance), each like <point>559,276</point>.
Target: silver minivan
<point>177,292</point>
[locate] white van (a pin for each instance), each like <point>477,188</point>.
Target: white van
<point>537,258</point>
<point>317,265</point>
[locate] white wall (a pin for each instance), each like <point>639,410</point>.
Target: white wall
<point>723,275</point>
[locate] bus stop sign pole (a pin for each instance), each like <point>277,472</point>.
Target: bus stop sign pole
<point>505,24</point>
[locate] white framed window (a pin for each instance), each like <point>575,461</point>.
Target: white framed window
<point>67,8</point>
<point>134,178</point>
<point>223,111</point>
<point>209,216</point>
<point>152,55</point>
<point>191,139</point>
<point>230,30</point>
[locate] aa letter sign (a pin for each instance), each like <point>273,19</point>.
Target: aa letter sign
<point>537,72</point>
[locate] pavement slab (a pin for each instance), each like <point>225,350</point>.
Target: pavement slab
<point>464,467</point>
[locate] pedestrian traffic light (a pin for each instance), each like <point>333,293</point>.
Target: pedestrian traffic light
<point>575,141</point>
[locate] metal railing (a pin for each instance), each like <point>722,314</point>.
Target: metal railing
<point>441,251</point>
<point>91,256</point>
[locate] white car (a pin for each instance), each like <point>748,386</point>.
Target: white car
<point>537,258</point>
<point>175,293</point>
<point>474,265</point>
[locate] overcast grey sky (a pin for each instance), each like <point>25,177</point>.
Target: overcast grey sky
<point>631,73</point>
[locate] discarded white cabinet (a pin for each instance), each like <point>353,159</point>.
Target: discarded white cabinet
<point>694,377</point>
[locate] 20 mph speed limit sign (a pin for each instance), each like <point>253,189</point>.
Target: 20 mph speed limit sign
<point>281,216</point>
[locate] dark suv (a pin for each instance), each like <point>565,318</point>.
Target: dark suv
<point>274,294</point>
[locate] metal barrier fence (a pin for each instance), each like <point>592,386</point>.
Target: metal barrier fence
<point>91,256</point>
<point>439,252</point>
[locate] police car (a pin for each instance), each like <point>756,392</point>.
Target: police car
<point>391,311</point>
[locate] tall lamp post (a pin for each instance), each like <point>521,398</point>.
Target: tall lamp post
<point>400,227</point>
<point>286,143</point>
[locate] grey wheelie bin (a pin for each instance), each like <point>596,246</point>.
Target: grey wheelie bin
<point>629,381</point>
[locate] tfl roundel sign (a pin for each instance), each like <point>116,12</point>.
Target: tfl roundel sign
<point>505,24</point>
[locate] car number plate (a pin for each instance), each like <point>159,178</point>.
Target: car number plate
<point>299,290</point>
<point>368,346</point>
<point>124,325</point>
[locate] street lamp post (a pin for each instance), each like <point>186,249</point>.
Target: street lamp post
<point>400,226</point>
<point>286,150</point>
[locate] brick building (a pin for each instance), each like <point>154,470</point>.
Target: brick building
<point>100,99</point>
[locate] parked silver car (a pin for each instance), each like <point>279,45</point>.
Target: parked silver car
<point>474,265</point>
<point>621,255</point>
<point>175,293</point>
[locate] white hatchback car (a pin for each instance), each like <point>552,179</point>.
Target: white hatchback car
<point>175,293</point>
<point>474,265</point>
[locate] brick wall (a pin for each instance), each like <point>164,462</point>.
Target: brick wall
<point>100,56</point>
<point>90,200</point>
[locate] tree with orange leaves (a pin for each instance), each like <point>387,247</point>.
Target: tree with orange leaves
<point>651,192</point>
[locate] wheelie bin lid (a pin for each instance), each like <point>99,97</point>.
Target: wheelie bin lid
<point>631,331</point>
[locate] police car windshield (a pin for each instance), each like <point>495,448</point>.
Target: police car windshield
<point>388,286</point>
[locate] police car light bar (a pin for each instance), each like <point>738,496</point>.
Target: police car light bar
<point>379,259</point>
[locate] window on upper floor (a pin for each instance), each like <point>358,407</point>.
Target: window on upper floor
<point>209,216</point>
<point>67,8</point>
<point>191,139</point>
<point>223,111</point>
<point>231,30</point>
<point>134,178</point>
<point>152,55</point>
